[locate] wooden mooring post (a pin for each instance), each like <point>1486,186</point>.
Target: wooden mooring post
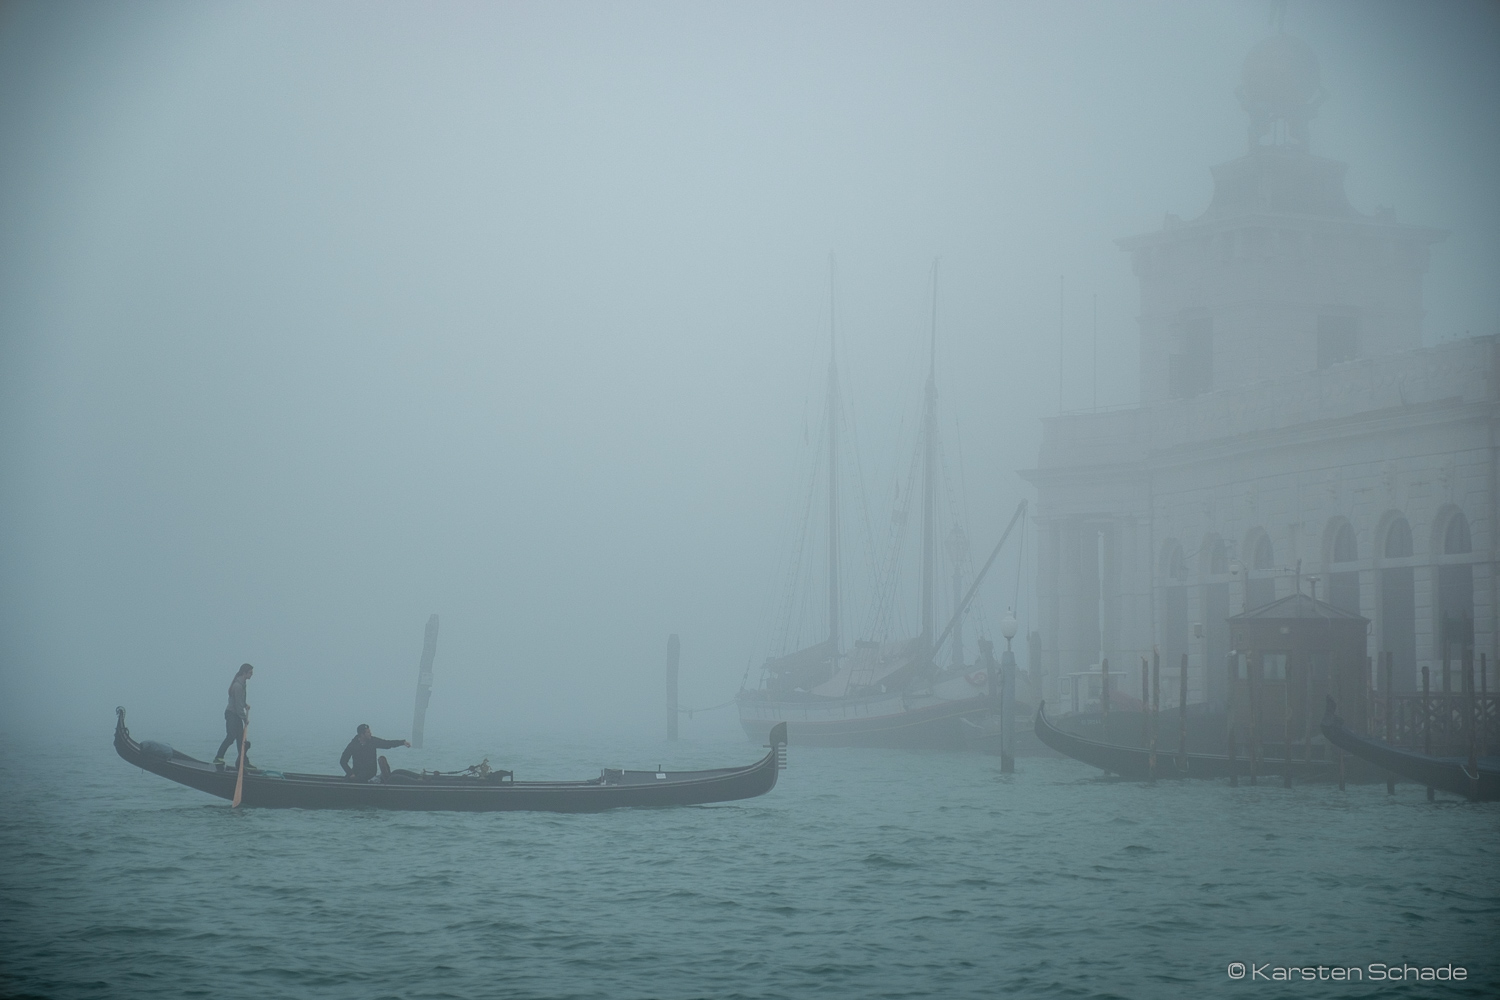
<point>1155,707</point>
<point>1482,719</point>
<point>1182,717</point>
<point>1145,703</point>
<point>1253,668</point>
<point>1007,711</point>
<point>1390,729</point>
<point>1427,718</point>
<point>1471,722</point>
<point>1286,726</point>
<point>424,681</point>
<point>1231,663</point>
<point>1307,711</point>
<point>674,649</point>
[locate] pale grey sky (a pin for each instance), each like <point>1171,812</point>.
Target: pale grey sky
<point>317,318</point>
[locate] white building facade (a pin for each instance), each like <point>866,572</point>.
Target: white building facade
<point>1290,418</point>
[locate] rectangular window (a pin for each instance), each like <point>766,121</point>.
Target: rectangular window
<point>1273,666</point>
<point>1338,340</point>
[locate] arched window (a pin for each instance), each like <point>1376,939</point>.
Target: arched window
<point>1345,549</point>
<point>1343,581</point>
<point>1265,555</point>
<point>1456,536</point>
<point>1398,539</point>
<point>1177,565</point>
<point>1398,605</point>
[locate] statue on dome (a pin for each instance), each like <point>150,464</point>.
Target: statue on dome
<point>1280,91</point>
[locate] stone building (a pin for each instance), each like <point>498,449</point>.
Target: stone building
<point>1289,416</point>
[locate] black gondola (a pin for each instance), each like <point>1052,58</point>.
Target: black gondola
<point>1451,774</point>
<point>495,791</point>
<point>1136,762</point>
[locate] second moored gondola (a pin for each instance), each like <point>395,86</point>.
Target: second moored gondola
<point>1145,764</point>
<point>1478,779</point>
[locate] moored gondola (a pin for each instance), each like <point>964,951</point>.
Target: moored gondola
<point>1144,764</point>
<point>491,792</point>
<point>1479,780</point>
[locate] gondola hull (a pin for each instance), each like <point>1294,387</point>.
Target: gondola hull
<point>1451,774</point>
<point>1144,765</point>
<point>612,790</point>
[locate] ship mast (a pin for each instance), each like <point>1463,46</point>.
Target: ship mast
<point>929,477</point>
<point>833,479</point>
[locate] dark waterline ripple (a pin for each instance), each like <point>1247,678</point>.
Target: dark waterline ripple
<point>864,874</point>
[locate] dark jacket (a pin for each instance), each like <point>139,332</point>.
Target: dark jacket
<point>237,706</point>
<point>363,754</point>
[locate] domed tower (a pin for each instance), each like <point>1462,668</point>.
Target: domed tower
<point>1279,274</point>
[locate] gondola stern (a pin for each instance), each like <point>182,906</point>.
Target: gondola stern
<point>124,745</point>
<point>777,743</point>
<point>1332,726</point>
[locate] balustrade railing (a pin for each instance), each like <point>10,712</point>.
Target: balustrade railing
<point>1438,724</point>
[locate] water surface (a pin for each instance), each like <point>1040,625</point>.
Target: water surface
<point>864,874</point>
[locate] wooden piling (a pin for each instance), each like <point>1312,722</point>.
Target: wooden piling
<point>1008,713</point>
<point>1182,717</point>
<point>674,649</point>
<point>1231,663</point>
<point>1482,719</point>
<point>1307,702</point>
<point>1286,725</point>
<point>1145,703</point>
<point>1254,668</point>
<point>1155,706</point>
<point>1427,719</point>
<point>1367,706</point>
<point>1471,723</point>
<point>424,681</point>
<point>1390,731</point>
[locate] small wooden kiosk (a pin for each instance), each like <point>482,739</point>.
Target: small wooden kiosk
<point>1288,655</point>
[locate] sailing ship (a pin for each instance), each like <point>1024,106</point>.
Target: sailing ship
<point>879,693</point>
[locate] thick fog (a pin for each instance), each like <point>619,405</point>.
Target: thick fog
<point>317,319</point>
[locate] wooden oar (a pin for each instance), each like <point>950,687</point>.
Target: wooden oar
<point>239,783</point>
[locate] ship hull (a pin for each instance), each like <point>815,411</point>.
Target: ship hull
<point>927,721</point>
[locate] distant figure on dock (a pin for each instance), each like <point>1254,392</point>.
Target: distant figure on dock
<point>361,750</point>
<point>236,716</point>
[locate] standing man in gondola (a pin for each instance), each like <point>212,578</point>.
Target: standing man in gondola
<point>361,750</point>
<point>236,717</point>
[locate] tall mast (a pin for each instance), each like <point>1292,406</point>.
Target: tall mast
<point>833,477</point>
<point>929,476</point>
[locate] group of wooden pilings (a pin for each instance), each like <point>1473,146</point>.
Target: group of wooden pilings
<point>1254,757</point>
<point>1472,711</point>
<point>1151,706</point>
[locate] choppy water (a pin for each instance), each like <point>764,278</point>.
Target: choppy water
<point>864,874</point>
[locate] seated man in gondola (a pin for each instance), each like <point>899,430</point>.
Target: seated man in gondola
<point>361,750</point>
